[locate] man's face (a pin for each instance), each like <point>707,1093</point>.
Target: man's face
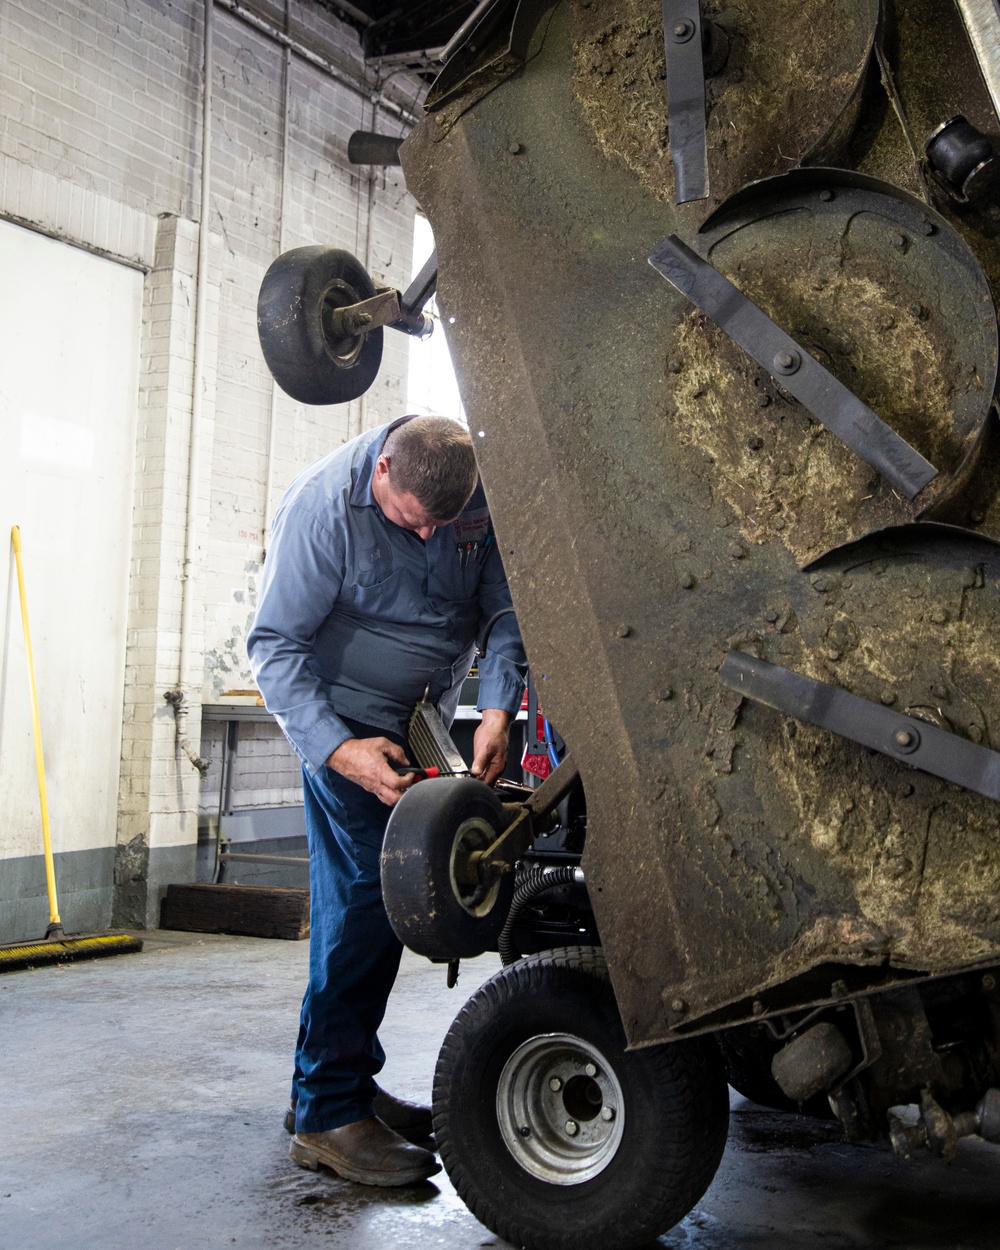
<point>400,507</point>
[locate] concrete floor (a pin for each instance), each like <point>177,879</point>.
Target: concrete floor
<point>141,1100</point>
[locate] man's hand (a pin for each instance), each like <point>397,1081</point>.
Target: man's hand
<point>366,762</point>
<point>490,745</point>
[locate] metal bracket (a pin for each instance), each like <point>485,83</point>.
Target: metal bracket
<point>422,288</point>
<point>353,319</point>
<point>387,307</point>
<point>871,1043</point>
<point>853,422</point>
<point>682,36</point>
<point>499,857</point>
<point>905,738</point>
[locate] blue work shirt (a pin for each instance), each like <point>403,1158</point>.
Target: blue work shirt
<point>357,616</point>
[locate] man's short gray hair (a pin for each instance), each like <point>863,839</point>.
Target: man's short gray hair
<point>432,459</point>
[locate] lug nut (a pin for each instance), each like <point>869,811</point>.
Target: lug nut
<point>572,1128</point>
<point>555,1084</point>
<point>590,1069</point>
<point>607,1113</point>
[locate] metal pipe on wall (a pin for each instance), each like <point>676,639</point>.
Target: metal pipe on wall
<point>375,98</point>
<point>316,59</point>
<point>272,426</point>
<point>362,409</point>
<point>178,697</point>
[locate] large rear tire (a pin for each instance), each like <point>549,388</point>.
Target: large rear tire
<point>308,361</point>
<point>553,1134</point>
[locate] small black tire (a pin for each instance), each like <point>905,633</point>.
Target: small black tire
<point>431,826</point>
<point>545,1192</point>
<point>299,291</point>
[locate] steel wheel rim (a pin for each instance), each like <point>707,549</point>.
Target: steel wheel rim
<point>478,899</point>
<point>560,1109</point>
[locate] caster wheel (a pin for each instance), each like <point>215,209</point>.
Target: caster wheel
<point>435,905</point>
<point>309,362</point>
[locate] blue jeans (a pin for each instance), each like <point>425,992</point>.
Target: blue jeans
<point>353,952</point>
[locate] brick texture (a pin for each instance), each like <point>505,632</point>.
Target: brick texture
<point>100,137</point>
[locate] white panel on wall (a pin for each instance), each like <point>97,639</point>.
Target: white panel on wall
<point>69,355</point>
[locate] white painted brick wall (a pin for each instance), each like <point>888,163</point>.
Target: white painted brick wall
<point>100,144</point>
<point>266,774</point>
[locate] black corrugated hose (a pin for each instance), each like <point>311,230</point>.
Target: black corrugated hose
<point>532,883</point>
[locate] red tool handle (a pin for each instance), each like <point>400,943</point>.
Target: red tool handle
<point>422,774</point>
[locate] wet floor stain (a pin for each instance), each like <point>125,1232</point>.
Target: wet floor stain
<point>761,1130</point>
<point>787,1182</point>
<point>322,1204</point>
<point>146,1139</point>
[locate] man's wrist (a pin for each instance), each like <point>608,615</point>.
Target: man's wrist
<point>330,757</point>
<point>496,716</point>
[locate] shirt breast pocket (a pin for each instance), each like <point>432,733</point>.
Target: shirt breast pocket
<point>453,581</point>
<point>377,598</point>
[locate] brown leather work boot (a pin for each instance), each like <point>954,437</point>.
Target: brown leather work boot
<point>366,1151</point>
<point>409,1119</point>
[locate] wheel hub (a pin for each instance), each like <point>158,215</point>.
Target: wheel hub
<point>560,1109</point>
<point>475,895</point>
<point>342,349</point>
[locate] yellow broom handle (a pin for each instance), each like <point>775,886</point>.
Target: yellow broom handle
<point>36,727</point>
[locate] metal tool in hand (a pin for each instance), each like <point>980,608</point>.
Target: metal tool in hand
<point>424,774</point>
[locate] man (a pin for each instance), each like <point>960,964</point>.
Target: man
<point>381,570</point>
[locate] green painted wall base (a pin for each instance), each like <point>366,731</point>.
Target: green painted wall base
<point>89,898</point>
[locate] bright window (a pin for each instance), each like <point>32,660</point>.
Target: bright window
<point>431,385</point>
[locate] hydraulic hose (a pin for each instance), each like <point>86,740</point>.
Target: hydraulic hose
<point>481,649</point>
<point>533,883</point>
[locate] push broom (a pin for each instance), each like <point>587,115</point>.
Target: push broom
<point>55,947</point>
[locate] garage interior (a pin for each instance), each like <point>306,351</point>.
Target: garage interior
<point>155,157</point>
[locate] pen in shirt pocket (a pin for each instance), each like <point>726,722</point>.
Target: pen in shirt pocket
<point>482,549</point>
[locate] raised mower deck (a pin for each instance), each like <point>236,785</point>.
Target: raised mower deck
<point>670,492</point>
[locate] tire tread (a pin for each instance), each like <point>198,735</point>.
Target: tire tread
<point>686,1070</point>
